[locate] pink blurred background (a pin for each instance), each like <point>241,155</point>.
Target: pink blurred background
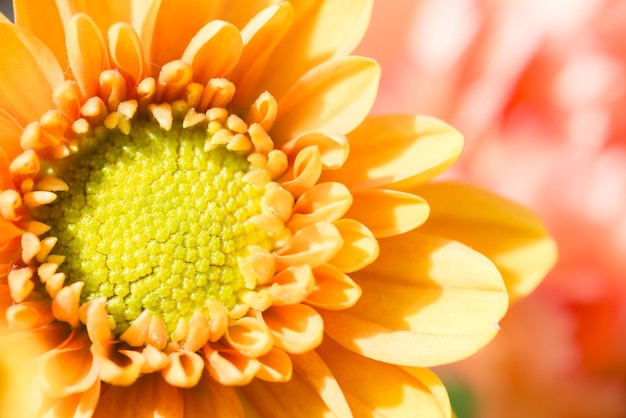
<point>538,88</point>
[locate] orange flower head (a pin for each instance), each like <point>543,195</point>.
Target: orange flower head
<point>197,212</point>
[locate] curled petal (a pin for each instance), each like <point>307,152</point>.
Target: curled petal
<point>135,335</point>
<point>388,212</point>
<point>29,315</point>
<point>154,359</point>
<point>118,367</point>
<point>359,248</point>
<point>198,332</point>
<point>334,148</point>
<point>216,35</point>
<point>313,245</point>
<point>230,367</point>
<point>297,328</point>
<point>87,52</point>
<point>20,283</point>
<point>250,337</point>
<point>184,370</point>
<point>65,303</point>
<point>127,53</point>
<point>333,289</point>
<point>307,169</point>
<point>326,202</point>
<point>397,152</point>
<point>275,366</point>
<point>258,267</point>
<point>292,285</point>
<point>96,319</point>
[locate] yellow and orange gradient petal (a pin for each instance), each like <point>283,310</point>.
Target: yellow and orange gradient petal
<point>346,283</point>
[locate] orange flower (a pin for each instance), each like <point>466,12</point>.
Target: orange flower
<point>541,100</point>
<point>198,217</point>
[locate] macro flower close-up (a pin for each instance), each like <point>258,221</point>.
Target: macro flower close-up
<point>200,217</point>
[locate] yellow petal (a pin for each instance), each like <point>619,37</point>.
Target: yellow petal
<point>312,388</point>
<point>426,301</point>
<point>260,36</point>
<point>87,53</point>
<point>313,245</point>
<point>150,396</point>
<point>201,51</point>
<point>306,170</point>
<point>373,388</point>
<point>28,74</point>
<point>388,212</point>
<point>311,41</point>
<point>162,33</point>
<point>250,337</point>
<point>334,96</point>
<point>510,235</point>
<point>230,367</point>
<point>397,151</point>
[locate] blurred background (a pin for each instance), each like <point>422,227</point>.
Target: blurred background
<point>6,7</point>
<point>538,88</point>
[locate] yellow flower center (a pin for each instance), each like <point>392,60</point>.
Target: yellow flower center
<point>153,221</point>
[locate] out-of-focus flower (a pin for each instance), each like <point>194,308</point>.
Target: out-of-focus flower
<point>184,189</point>
<point>539,90</point>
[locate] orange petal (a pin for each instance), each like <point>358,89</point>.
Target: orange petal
<point>510,235</point>
<point>162,33</point>
<point>149,396</point>
<point>80,405</point>
<point>309,41</point>
<point>375,388</point>
<point>65,303</point>
<point>70,369</point>
<point>388,212</point>
<point>312,388</point>
<point>28,74</point>
<point>326,202</point>
<point>333,289</point>
<point>87,53</point>
<point>324,99</point>
<point>397,151</point>
<point>292,285</point>
<point>333,148</point>
<point>250,337</point>
<point>229,367</point>
<point>426,301</point>
<point>306,170</point>
<point>97,321</point>
<point>104,12</point>
<point>359,248</point>
<point>11,133</point>
<point>184,370</point>
<point>201,51</point>
<point>127,52</point>
<point>313,245</point>
<point>118,367</point>
<point>211,399</point>
<point>44,22</point>
<point>260,36</point>
<point>297,328</point>
<point>275,366</point>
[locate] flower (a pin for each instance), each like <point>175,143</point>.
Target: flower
<point>198,217</point>
<point>551,134</point>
